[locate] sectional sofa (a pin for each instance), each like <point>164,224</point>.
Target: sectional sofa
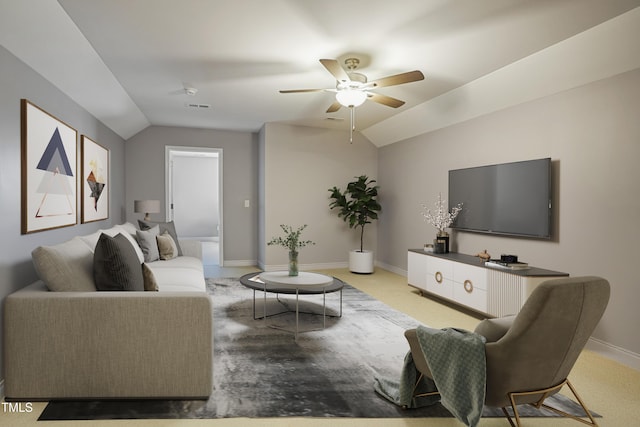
<point>63,339</point>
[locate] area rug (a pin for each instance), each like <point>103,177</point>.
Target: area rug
<point>261,371</point>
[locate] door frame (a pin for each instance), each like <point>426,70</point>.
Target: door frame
<point>170,151</point>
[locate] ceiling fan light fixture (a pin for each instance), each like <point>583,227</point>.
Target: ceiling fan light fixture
<point>351,97</point>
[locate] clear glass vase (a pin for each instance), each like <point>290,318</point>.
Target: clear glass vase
<point>293,263</point>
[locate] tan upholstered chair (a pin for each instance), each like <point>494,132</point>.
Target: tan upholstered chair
<point>529,356</point>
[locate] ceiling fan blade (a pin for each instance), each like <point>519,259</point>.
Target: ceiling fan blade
<point>302,90</point>
<point>334,107</point>
<point>398,79</point>
<point>335,69</point>
<point>385,100</point>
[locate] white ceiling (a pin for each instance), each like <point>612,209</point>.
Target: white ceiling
<point>128,61</point>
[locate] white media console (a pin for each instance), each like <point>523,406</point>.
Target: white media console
<point>466,281</point>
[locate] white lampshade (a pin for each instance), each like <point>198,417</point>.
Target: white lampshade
<point>351,98</point>
<point>146,207</point>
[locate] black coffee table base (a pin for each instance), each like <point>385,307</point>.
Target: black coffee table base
<point>251,281</point>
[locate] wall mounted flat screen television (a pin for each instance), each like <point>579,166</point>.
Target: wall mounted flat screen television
<point>509,199</point>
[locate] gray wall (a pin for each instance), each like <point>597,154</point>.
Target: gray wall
<point>18,81</point>
<point>145,169</point>
<point>592,134</point>
<point>299,165</point>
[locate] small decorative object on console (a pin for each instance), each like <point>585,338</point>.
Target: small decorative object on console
<point>507,265</point>
<point>509,258</point>
<point>484,255</point>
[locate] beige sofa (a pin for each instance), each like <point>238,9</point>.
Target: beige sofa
<point>83,344</point>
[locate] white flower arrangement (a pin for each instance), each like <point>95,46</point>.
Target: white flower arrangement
<point>441,218</point>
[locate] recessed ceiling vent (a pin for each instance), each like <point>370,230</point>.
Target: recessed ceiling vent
<point>197,106</point>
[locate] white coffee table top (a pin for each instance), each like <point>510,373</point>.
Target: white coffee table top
<point>304,279</point>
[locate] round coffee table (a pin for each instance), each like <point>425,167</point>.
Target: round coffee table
<point>305,283</point>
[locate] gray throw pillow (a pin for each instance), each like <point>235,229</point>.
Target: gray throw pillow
<point>164,226</point>
<point>147,241</point>
<point>116,266</point>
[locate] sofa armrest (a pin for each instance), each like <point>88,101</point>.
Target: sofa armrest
<point>107,344</point>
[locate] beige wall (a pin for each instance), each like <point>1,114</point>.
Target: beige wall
<point>592,134</point>
<point>299,165</point>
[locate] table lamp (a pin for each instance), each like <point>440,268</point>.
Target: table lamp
<point>146,206</point>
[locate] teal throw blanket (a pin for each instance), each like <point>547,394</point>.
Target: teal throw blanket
<point>456,359</point>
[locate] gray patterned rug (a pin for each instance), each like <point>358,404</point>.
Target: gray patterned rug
<point>260,371</point>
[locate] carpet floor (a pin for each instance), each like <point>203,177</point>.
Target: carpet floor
<point>261,371</point>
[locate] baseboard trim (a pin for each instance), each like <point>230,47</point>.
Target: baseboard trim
<point>240,263</point>
<point>618,354</point>
<point>391,268</point>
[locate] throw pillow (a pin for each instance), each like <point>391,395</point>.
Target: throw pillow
<point>67,266</point>
<point>166,246</point>
<point>147,241</point>
<point>164,226</point>
<point>116,266</point>
<point>150,283</point>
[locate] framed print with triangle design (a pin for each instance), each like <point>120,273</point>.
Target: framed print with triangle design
<point>49,178</point>
<point>94,181</point>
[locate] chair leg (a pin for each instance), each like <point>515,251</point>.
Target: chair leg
<point>540,403</point>
<point>506,414</point>
<point>415,387</point>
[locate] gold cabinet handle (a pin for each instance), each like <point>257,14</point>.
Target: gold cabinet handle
<point>468,286</point>
<point>438,277</point>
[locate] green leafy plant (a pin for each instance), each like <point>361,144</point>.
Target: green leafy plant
<point>358,205</point>
<point>292,238</point>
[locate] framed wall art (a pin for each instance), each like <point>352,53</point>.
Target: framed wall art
<point>49,163</point>
<point>95,181</point>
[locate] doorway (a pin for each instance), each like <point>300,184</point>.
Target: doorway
<point>194,198</point>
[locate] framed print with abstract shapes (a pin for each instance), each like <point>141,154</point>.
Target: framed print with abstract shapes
<point>95,181</point>
<point>49,162</point>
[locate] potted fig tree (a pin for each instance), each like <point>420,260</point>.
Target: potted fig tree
<point>358,206</point>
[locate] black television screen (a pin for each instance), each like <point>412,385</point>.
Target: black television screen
<point>509,198</point>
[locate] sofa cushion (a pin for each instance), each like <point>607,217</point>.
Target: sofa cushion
<point>128,227</point>
<point>147,241</point>
<point>181,274</point>
<point>92,239</point>
<point>164,226</point>
<point>179,262</point>
<point>67,266</point>
<point>166,246</point>
<point>116,266</point>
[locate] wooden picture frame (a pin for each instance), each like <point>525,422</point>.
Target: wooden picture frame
<point>94,181</point>
<point>49,164</point>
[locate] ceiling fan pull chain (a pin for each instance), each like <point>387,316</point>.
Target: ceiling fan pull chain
<point>353,124</point>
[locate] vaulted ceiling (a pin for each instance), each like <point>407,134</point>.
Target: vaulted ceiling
<point>128,62</point>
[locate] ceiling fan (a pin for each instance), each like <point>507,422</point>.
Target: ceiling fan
<point>353,89</point>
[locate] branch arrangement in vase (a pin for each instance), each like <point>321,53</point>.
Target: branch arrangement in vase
<point>441,218</point>
<point>291,240</point>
